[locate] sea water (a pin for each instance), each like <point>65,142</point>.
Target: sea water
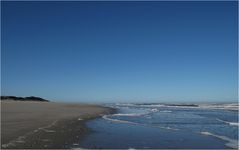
<point>162,126</point>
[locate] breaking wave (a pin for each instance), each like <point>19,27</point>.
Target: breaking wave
<point>229,106</point>
<point>166,111</point>
<point>106,117</point>
<point>232,143</point>
<point>130,115</point>
<point>232,106</point>
<point>230,123</point>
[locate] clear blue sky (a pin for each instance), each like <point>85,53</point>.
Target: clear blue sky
<point>120,51</point>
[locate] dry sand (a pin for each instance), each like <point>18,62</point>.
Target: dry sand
<point>45,124</point>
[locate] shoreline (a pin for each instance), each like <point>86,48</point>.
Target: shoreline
<point>61,133</point>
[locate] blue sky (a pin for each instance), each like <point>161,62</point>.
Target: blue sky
<point>120,51</point>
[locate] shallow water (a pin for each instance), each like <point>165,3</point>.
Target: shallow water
<point>161,126</point>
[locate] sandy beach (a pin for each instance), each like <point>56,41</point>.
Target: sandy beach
<point>45,124</point>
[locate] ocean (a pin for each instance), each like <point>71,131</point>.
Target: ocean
<point>165,126</point>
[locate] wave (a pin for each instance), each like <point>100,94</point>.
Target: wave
<point>165,111</point>
<point>232,143</point>
<point>232,106</point>
<point>117,120</point>
<point>230,123</point>
<point>137,114</point>
<point>130,115</point>
<point>168,105</point>
<point>125,104</point>
<point>154,110</point>
<point>106,117</point>
<point>139,105</point>
<point>169,128</point>
<point>152,105</point>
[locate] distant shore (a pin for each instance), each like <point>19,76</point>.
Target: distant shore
<point>36,125</point>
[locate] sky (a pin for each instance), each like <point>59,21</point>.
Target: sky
<point>120,51</point>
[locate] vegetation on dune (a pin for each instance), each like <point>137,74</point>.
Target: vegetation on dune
<point>30,98</point>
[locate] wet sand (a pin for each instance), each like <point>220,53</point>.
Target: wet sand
<point>45,124</point>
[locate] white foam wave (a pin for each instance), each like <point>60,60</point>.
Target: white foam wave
<point>138,105</point>
<point>168,128</point>
<point>230,123</point>
<point>125,104</point>
<point>117,120</point>
<point>168,105</point>
<point>131,115</point>
<point>152,105</point>
<point>106,117</point>
<point>165,111</point>
<point>154,110</point>
<point>232,143</point>
<point>137,114</point>
<point>232,106</point>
